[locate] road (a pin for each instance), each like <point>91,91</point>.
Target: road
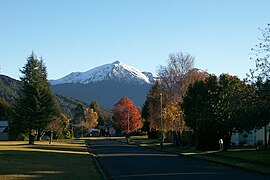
<point>123,161</point>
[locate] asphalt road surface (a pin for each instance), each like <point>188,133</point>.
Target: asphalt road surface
<point>122,161</point>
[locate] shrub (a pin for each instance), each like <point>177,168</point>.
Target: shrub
<point>22,137</point>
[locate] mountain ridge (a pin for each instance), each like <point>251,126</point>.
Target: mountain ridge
<point>115,71</point>
<point>106,84</point>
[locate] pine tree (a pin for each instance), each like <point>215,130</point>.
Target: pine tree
<point>146,116</point>
<point>78,114</point>
<point>78,120</point>
<point>36,105</point>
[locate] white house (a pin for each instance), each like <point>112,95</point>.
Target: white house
<point>3,126</point>
<point>251,138</point>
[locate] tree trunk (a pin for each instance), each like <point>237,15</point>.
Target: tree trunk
<point>51,138</point>
<point>176,139</point>
<point>31,138</point>
<point>162,139</point>
<point>265,137</point>
<point>269,141</point>
<point>39,135</point>
<point>227,141</point>
<point>81,131</point>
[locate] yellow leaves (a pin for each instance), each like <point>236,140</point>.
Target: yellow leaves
<point>91,118</point>
<point>173,117</point>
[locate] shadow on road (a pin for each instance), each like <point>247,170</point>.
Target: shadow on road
<point>123,161</point>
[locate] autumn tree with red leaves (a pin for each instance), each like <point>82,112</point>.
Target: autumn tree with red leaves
<point>126,116</point>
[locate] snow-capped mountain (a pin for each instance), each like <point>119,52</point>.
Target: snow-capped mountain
<point>115,71</point>
<point>152,78</point>
<point>106,84</point>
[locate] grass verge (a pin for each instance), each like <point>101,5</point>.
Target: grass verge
<point>254,160</point>
<point>61,160</point>
<point>250,159</point>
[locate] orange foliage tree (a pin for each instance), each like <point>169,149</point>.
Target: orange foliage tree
<point>126,116</point>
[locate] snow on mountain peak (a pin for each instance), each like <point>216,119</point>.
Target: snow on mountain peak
<point>115,71</point>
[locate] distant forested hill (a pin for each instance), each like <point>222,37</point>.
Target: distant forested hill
<point>107,93</point>
<point>9,89</point>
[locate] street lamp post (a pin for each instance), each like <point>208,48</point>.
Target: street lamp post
<point>128,139</point>
<point>161,123</point>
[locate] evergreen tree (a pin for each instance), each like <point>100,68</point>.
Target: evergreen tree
<point>36,106</point>
<point>78,120</point>
<point>146,116</point>
<point>78,113</point>
<point>199,105</point>
<point>216,107</point>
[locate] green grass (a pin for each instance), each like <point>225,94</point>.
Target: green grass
<point>250,159</point>
<point>258,161</point>
<point>61,160</point>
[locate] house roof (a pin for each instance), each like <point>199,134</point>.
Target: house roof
<point>4,123</point>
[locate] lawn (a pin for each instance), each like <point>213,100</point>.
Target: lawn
<point>61,160</point>
<point>254,160</point>
<point>250,159</point>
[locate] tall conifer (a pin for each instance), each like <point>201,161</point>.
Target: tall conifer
<point>36,105</point>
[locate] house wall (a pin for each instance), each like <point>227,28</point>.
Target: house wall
<point>3,136</point>
<point>2,129</point>
<point>252,138</point>
<point>3,126</point>
<point>259,135</point>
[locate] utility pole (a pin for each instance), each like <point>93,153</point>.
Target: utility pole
<point>128,129</point>
<point>128,123</point>
<point>161,123</point>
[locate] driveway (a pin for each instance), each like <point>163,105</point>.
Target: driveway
<point>123,161</point>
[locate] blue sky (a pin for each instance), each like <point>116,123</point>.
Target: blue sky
<point>77,35</point>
